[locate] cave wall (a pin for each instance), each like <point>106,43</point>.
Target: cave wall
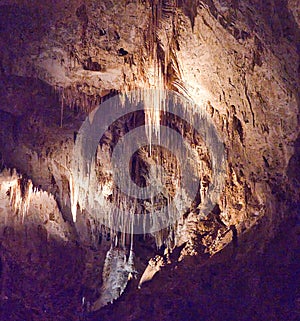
<point>239,59</point>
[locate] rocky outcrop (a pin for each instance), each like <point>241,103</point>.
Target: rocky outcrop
<point>239,60</point>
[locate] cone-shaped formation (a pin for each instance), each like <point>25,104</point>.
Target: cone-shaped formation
<point>101,178</point>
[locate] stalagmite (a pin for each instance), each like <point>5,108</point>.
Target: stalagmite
<point>154,266</point>
<point>117,271</point>
<point>108,195</point>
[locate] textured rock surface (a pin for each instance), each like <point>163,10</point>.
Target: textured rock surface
<point>239,59</point>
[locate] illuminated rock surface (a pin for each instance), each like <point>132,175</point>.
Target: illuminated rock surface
<point>239,60</point>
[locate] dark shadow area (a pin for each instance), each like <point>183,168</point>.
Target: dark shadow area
<point>41,276</point>
<point>241,283</point>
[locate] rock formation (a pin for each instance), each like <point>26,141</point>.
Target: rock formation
<point>238,61</point>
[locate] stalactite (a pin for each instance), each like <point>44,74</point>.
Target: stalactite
<point>91,190</point>
<point>20,195</point>
<point>95,192</point>
<point>29,204</point>
<point>74,98</point>
<point>62,112</point>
